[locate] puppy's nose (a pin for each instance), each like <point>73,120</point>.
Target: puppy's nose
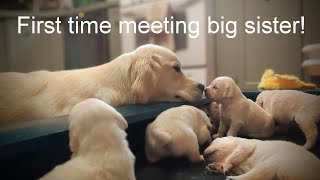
<point>201,86</point>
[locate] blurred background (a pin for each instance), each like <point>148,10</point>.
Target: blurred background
<point>243,58</point>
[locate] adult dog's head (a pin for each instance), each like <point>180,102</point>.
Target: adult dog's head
<point>157,76</point>
<point>222,88</point>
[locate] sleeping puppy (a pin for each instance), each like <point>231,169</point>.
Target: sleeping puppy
<point>178,132</point>
<point>287,106</point>
<point>149,74</point>
<point>239,115</point>
<point>98,145</point>
<point>254,159</point>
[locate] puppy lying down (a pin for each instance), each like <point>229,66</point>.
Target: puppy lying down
<point>178,132</point>
<point>254,160</point>
<point>239,115</point>
<point>290,105</point>
<point>98,145</point>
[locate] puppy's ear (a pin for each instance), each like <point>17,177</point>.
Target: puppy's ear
<point>229,91</point>
<point>163,138</point>
<point>244,149</point>
<point>145,75</point>
<point>211,149</point>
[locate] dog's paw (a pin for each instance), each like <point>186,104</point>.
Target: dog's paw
<point>226,167</point>
<point>201,158</point>
<point>215,136</point>
<point>216,167</point>
<point>307,145</point>
<point>230,178</point>
<point>207,170</point>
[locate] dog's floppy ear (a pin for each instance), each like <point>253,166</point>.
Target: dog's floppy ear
<point>211,149</point>
<point>144,74</point>
<point>162,137</point>
<point>229,91</point>
<point>243,150</point>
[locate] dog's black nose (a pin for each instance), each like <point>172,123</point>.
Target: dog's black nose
<point>201,86</point>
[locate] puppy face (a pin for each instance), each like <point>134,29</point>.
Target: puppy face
<point>220,88</point>
<point>89,114</point>
<point>158,76</point>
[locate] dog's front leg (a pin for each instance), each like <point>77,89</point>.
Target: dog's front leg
<point>221,131</point>
<point>234,129</point>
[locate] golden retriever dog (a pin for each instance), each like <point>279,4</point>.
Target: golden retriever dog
<point>287,106</point>
<point>149,74</point>
<point>178,132</point>
<point>239,115</point>
<point>98,145</point>
<point>250,159</point>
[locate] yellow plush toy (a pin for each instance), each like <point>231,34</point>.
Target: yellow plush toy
<point>272,81</point>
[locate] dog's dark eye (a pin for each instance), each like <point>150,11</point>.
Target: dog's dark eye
<point>177,68</point>
<point>215,87</point>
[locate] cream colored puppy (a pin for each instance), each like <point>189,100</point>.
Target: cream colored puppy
<point>178,132</point>
<point>98,145</point>
<point>254,159</point>
<point>287,106</point>
<point>239,115</point>
<point>149,74</point>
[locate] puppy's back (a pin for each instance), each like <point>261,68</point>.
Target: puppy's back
<point>185,114</point>
<point>291,161</point>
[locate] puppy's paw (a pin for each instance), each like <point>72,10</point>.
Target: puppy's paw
<point>197,159</point>
<point>307,146</point>
<point>207,170</point>
<point>201,159</point>
<point>216,167</point>
<point>230,178</point>
<point>215,136</point>
<point>226,167</point>
<point>210,169</point>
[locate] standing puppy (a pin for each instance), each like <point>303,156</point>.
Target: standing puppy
<point>254,159</point>
<point>239,115</point>
<point>287,106</point>
<point>98,145</point>
<point>178,132</point>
